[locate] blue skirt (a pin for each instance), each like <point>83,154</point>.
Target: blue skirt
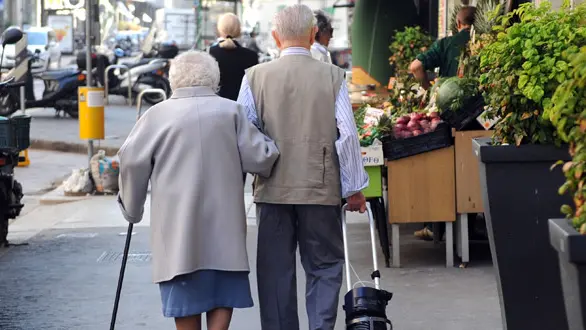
<point>205,290</point>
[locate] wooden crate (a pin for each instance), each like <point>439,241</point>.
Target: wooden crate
<point>468,195</point>
<point>422,188</point>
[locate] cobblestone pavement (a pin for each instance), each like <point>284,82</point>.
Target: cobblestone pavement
<point>66,277</point>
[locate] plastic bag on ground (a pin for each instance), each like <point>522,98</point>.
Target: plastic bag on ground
<point>105,172</point>
<point>78,182</point>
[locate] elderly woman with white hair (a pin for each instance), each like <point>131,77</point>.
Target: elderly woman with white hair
<point>231,56</point>
<point>193,149</point>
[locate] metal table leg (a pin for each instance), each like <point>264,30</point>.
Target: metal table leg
<point>449,244</point>
<point>396,245</point>
<point>463,239</point>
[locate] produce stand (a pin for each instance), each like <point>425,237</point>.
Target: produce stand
<point>468,193</point>
<point>422,188</point>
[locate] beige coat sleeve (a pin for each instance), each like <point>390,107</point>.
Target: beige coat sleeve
<point>136,165</point>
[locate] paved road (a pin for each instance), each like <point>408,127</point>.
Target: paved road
<point>66,277</point>
<point>119,120</point>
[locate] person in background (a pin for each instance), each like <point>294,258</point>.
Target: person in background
<point>445,54</point>
<point>311,121</point>
<point>192,149</point>
<point>252,44</point>
<point>231,56</point>
<point>325,32</point>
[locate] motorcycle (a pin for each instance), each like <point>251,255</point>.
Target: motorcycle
<point>60,90</point>
<point>10,190</point>
<point>143,73</point>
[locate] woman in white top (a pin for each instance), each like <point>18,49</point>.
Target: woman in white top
<point>325,31</point>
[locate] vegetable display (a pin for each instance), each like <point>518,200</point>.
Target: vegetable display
<point>453,93</point>
<point>415,124</point>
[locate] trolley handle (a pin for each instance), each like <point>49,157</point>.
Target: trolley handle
<point>376,273</point>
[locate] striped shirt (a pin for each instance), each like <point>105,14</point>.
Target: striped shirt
<point>353,177</point>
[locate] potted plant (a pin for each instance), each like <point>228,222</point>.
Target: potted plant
<point>568,236</point>
<point>520,71</point>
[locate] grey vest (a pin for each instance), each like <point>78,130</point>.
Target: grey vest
<point>295,99</point>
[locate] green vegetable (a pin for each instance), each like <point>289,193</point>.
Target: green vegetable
<point>454,92</point>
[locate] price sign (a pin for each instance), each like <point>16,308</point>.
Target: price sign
<point>487,123</point>
<point>372,156</point>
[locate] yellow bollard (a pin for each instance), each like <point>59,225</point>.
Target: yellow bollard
<point>26,161</point>
<point>91,113</point>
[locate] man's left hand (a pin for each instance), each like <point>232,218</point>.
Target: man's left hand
<point>356,203</point>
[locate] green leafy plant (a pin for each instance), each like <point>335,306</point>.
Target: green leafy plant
<point>568,114</point>
<point>406,45</point>
<point>522,68</point>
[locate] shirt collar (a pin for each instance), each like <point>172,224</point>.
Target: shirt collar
<point>195,91</point>
<point>320,48</point>
<point>295,51</point>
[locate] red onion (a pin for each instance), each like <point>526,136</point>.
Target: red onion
<point>412,125</point>
<point>400,126</point>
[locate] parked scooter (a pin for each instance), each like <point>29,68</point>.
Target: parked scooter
<point>10,189</point>
<point>60,90</point>
<point>143,73</point>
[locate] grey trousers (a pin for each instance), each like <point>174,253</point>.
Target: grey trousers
<point>317,229</point>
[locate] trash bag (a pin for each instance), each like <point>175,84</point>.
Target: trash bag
<point>105,172</point>
<point>78,182</point>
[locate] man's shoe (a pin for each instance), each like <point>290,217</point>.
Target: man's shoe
<point>424,234</point>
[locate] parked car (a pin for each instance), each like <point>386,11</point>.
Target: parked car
<point>43,40</point>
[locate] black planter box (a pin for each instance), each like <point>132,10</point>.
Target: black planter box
<point>571,248</point>
<point>520,195</point>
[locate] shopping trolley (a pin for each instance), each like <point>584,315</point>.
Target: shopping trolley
<point>365,306</point>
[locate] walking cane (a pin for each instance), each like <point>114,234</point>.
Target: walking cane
<point>121,277</point>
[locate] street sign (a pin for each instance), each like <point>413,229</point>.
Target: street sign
<point>1,4</point>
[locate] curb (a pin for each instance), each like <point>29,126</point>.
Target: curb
<point>70,147</point>
<point>57,196</point>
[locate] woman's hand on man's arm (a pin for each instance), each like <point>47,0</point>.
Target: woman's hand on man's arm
<point>258,153</point>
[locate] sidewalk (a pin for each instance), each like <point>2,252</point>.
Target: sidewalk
<point>66,278</point>
<point>62,133</point>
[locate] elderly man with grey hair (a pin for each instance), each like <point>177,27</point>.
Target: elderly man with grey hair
<point>193,149</point>
<point>304,106</point>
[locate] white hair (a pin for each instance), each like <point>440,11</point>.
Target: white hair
<point>229,25</point>
<point>294,22</point>
<point>194,68</point>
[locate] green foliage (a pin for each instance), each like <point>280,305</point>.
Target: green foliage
<point>406,45</point>
<point>453,93</point>
<point>568,114</point>
<point>522,68</point>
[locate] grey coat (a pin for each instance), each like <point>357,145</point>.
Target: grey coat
<point>193,148</point>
